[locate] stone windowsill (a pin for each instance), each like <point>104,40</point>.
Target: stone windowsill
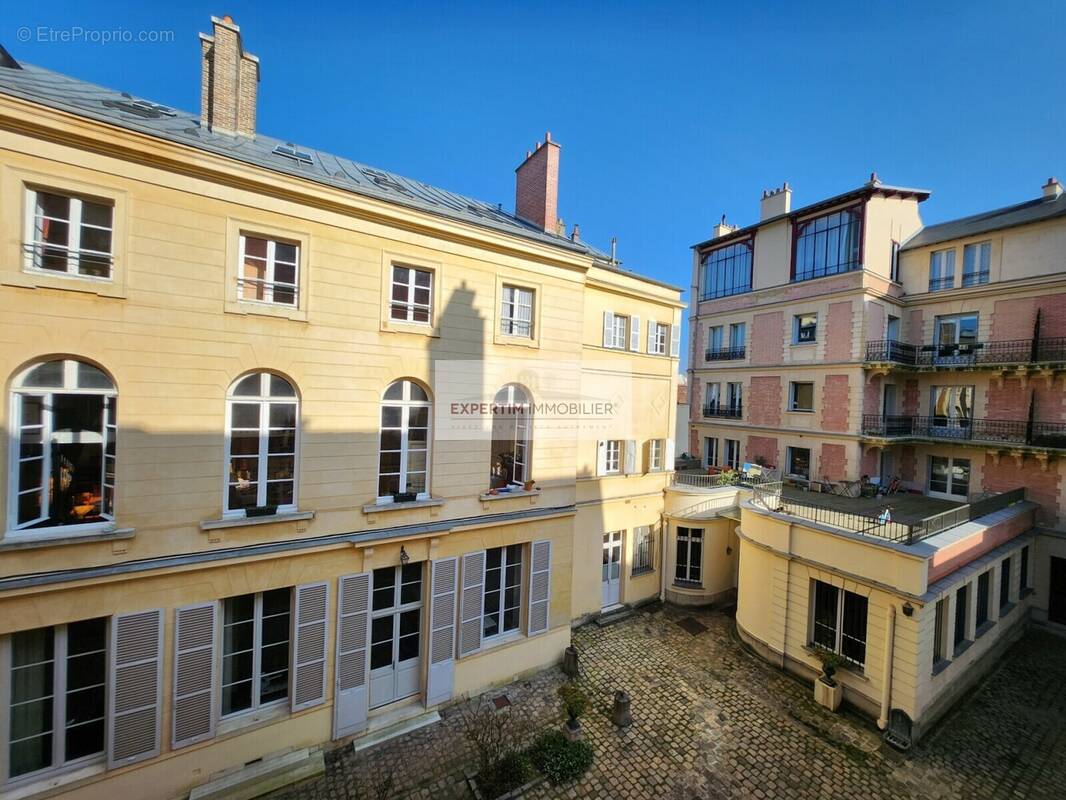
<point>240,522</point>
<point>638,572</point>
<point>698,585</point>
<point>848,668</point>
<point>22,541</point>
<point>1005,609</point>
<point>506,495</point>
<point>941,665</point>
<point>984,628</point>
<point>375,508</point>
<point>962,647</point>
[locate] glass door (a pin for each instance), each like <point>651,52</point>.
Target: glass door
<point>949,478</point>
<point>612,569</point>
<point>395,633</point>
<point>952,411</point>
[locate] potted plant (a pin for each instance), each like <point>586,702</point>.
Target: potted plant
<point>528,485</point>
<point>827,692</point>
<point>404,497</point>
<point>574,704</point>
<point>261,511</point>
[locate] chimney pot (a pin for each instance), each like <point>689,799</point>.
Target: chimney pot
<point>775,202</point>
<point>537,187</point>
<point>575,235</point>
<point>1052,189</point>
<point>229,80</point>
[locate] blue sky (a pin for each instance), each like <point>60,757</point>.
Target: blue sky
<point>669,114</point>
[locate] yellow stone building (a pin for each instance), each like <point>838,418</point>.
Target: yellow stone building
<point>273,418</point>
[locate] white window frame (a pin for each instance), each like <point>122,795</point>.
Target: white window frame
<point>656,448</point>
<point>619,332</point>
<point>732,453</point>
<point>409,305</point>
<point>73,246</point>
<point>714,338</point>
<point>798,327</point>
<point>657,338</point>
<point>838,613</point>
<point>523,557</point>
<point>264,400</point>
<point>738,334</point>
<point>257,655</point>
<point>108,432</point>
<point>710,453</point>
<point>687,538</point>
<point>269,282</point>
<point>405,404</point>
<point>942,269</point>
<point>59,718</point>
<point>516,310</point>
<point>612,457</point>
<point>792,402</point>
<point>520,435</point>
<point>976,263</point>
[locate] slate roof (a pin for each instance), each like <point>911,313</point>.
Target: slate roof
<point>987,221</point>
<point>62,92</point>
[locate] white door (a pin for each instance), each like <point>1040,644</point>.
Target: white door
<point>612,568</point>
<point>395,633</point>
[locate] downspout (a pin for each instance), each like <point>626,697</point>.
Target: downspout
<point>662,557</point>
<point>886,689</point>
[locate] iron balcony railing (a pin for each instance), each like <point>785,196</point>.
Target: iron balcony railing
<point>730,477</point>
<point>883,526</point>
<point>726,354</point>
<point>724,410</point>
<point>996,431</point>
<point>939,284</point>
<point>1018,351</point>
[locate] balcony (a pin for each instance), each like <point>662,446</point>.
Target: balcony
<point>1015,433</point>
<point>967,356</point>
<point>721,411</point>
<point>728,354</point>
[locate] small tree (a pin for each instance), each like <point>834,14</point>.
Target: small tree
<point>830,662</point>
<point>493,733</point>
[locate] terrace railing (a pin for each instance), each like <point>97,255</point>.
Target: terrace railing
<point>970,354</point>
<point>724,410</point>
<point>726,354</point>
<point>994,431</point>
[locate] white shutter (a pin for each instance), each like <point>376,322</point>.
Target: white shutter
<point>309,646</point>
<point>601,457</point>
<point>650,344</point>
<point>471,603</point>
<point>441,677</point>
<point>540,587</point>
<point>668,464</point>
<point>351,697</point>
<point>675,340</point>
<point>634,333</point>
<point>193,709</point>
<point>608,328</point>
<point>631,456</point>
<point>135,685</point>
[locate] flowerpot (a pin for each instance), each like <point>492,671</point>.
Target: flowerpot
<point>828,696</point>
<point>404,497</point>
<point>572,730</point>
<point>528,486</point>
<point>261,511</point>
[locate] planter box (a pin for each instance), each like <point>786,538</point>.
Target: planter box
<point>828,696</point>
<point>514,794</point>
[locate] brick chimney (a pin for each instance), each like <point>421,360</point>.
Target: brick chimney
<point>1052,189</point>
<point>775,202</point>
<point>229,80</point>
<point>537,186</point>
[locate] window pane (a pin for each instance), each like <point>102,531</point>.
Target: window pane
<point>244,415</point>
<point>853,633</point>
<point>85,739</point>
<point>31,755</point>
<point>282,415</point>
<point>249,386</point>
<point>825,614</point>
<point>236,697</point>
<point>280,494</point>
<point>277,601</point>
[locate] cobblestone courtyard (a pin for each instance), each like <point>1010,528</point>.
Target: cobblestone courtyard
<point>712,721</point>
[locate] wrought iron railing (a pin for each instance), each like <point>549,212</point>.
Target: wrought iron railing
<point>996,431</point>
<point>724,410</point>
<point>959,515</point>
<point>726,354</point>
<point>705,480</point>
<point>939,284</point>
<point>1017,351</point>
<point>975,278</point>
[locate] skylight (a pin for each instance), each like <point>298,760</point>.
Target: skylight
<point>290,151</point>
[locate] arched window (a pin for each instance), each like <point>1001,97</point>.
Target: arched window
<point>403,467</point>
<point>63,414</point>
<point>261,425</point>
<point>510,437</point>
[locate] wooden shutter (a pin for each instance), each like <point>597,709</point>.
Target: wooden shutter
<point>601,457</point>
<point>540,588</point>
<point>193,709</point>
<point>608,328</point>
<point>444,574</point>
<point>309,646</point>
<point>471,603</point>
<point>650,345</point>
<point>634,334</point>
<point>135,687</point>
<point>675,341</point>
<point>351,697</point>
<point>668,459</point>
<point>630,456</point>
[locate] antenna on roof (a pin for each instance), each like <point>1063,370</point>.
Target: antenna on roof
<point>614,249</point>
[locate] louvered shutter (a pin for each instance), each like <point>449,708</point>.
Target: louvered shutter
<point>668,464</point>
<point>309,646</point>
<point>608,329</point>
<point>631,456</point>
<point>601,457</point>
<point>192,712</point>
<point>135,687</point>
<point>351,698</point>
<point>443,578</point>
<point>675,341</point>
<point>471,602</point>
<point>634,334</point>
<point>650,345</point>
<point>540,587</point>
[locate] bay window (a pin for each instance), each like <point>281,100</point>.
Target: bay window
<point>510,437</point>
<point>403,460</point>
<point>63,418</point>
<point>726,270</point>
<point>68,234</point>
<point>261,439</point>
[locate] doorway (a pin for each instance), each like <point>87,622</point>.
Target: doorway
<point>949,478</point>
<point>1056,601</point>
<point>395,633</point>
<point>612,569</point>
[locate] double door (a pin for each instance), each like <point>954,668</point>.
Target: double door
<point>395,633</point>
